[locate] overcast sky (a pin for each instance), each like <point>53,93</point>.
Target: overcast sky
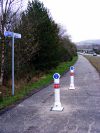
<point>81,18</point>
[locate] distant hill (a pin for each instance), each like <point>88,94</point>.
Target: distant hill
<point>89,42</point>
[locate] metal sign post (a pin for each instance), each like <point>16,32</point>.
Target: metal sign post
<point>13,64</point>
<point>13,35</point>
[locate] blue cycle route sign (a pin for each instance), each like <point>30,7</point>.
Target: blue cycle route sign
<point>56,76</point>
<point>8,34</point>
<point>72,68</point>
<point>12,34</point>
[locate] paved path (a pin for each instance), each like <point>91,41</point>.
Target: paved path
<point>81,112</point>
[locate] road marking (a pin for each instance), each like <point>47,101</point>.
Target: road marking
<point>76,129</point>
<point>90,127</point>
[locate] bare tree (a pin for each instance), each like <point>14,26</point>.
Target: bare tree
<point>9,9</point>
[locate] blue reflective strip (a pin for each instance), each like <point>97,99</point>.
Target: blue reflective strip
<point>72,68</point>
<point>56,76</point>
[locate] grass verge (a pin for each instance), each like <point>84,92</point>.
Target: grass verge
<point>95,61</point>
<point>45,80</point>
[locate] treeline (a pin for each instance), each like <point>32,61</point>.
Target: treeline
<point>41,47</point>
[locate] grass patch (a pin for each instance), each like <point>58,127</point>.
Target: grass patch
<point>45,80</point>
<point>95,61</point>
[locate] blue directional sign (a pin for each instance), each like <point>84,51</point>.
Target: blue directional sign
<point>16,35</point>
<point>72,68</point>
<point>11,34</point>
<point>56,76</point>
<point>8,34</point>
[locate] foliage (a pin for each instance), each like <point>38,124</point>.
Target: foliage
<point>95,61</point>
<point>44,80</point>
<point>41,47</point>
<point>7,21</point>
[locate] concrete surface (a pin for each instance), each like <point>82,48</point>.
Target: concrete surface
<point>81,112</point>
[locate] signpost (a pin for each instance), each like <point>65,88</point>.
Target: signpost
<point>13,35</point>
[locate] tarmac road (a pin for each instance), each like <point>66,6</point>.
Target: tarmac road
<point>81,112</point>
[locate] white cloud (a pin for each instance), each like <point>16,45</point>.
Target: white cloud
<point>80,17</point>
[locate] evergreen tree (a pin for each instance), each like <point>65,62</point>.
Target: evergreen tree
<point>41,46</point>
<point>44,32</point>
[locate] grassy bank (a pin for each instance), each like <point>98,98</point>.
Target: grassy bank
<point>29,88</point>
<point>95,61</point>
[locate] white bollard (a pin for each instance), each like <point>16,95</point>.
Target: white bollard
<point>72,78</point>
<point>57,104</point>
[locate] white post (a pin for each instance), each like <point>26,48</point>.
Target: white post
<point>72,78</point>
<point>57,104</point>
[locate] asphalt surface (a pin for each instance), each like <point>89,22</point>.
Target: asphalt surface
<point>81,112</point>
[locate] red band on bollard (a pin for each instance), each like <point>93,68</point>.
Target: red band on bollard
<point>56,86</point>
<point>71,74</point>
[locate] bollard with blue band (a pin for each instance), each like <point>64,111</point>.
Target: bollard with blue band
<point>72,68</point>
<point>57,104</point>
<point>72,77</point>
<point>56,78</point>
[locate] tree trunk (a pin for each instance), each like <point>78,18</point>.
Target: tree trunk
<point>2,58</point>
